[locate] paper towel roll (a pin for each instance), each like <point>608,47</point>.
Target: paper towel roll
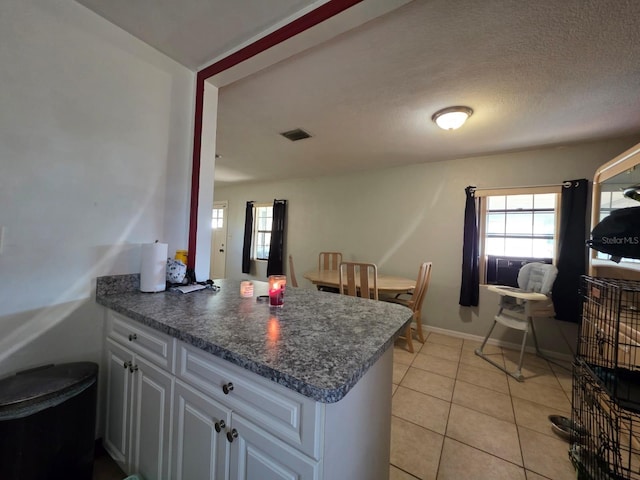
<point>153,271</point>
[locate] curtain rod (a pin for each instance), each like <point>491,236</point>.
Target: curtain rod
<point>566,184</point>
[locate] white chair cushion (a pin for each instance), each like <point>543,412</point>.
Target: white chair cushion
<point>537,277</point>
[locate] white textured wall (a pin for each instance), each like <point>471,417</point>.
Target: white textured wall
<point>400,217</point>
<point>95,159</point>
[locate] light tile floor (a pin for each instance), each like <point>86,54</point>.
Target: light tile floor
<point>455,416</point>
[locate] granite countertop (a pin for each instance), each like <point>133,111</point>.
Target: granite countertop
<point>318,344</point>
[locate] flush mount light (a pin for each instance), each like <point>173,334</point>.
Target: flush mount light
<point>451,118</point>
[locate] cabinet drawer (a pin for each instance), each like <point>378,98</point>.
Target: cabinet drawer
<point>152,344</point>
<point>283,413</point>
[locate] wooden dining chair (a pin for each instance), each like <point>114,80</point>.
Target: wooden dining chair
<point>292,273</point>
<point>414,300</point>
<point>359,279</point>
<point>329,261</point>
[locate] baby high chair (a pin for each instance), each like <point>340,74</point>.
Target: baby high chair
<point>519,306</point>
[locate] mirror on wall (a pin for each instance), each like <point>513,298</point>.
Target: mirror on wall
<point>615,185</point>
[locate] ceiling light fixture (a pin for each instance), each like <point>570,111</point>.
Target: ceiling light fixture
<point>451,118</point>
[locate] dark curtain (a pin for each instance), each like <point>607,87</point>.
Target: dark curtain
<point>248,234</point>
<point>275,264</point>
<point>470,287</point>
<point>572,250</point>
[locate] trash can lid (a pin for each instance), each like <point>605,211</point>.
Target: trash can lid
<point>30,391</point>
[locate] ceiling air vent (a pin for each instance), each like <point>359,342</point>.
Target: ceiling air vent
<point>295,135</point>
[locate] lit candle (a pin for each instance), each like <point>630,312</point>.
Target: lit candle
<point>277,284</point>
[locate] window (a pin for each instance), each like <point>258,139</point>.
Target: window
<point>263,218</point>
<point>217,218</point>
<point>517,226</point>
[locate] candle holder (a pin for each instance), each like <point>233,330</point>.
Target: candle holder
<point>246,289</point>
<point>277,285</point>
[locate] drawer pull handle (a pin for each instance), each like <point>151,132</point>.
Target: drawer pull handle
<point>133,368</point>
<point>232,434</point>
<point>133,336</point>
<point>227,387</point>
<point>219,425</point>
<point>127,364</point>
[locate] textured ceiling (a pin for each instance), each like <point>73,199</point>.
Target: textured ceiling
<point>541,73</point>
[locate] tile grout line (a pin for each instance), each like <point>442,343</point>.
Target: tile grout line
<point>459,364</point>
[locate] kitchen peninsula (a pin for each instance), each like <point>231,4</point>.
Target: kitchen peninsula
<point>212,385</point>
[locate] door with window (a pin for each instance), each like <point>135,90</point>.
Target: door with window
<point>218,240</point>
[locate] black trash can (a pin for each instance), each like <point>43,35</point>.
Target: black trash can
<point>47,422</point>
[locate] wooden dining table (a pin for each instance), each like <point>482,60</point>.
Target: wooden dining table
<point>387,284</point>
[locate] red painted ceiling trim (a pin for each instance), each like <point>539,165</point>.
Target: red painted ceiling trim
<point>319,15</point>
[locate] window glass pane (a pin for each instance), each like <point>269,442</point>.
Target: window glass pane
<point>518,247</point>
<point>264,254</point>
<point>494,246</point>
<point>544,200</point>
<point>542,248</point>
<point>216,218</point>
<point>496,203</point>
<point>520,223</point>
<point>515,202</point>
<point>544,223</point>
<point>605,200</point>
<point>495,223</point>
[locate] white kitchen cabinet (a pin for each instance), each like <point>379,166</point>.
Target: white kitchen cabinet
<point>257,409</point>
<point>139,403</point>
<point>213,443</point>
<point>118,417</point>
<point>200,447</point>
<point>151,420</point>
<point>283,413</point>
<point>197,416</point>
<point>256,455</point>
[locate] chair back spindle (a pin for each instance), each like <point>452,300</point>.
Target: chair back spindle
<point>329,260</point>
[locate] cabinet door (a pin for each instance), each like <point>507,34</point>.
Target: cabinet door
<point>200,451</point>
<point>151,429</point>
<point>256,455</point>
<point>118,418</point>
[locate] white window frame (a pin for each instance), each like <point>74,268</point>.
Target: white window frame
<point>482,223</point>
<point>257,207</point>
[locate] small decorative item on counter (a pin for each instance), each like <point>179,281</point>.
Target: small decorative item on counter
<point>246,289</point>
<point>176,271</point>
<point>277,285</point>
<point>181,255</point>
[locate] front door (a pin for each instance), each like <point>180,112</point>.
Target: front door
<point>218,240</point>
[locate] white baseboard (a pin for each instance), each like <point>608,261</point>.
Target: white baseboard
<point>498,343</point>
